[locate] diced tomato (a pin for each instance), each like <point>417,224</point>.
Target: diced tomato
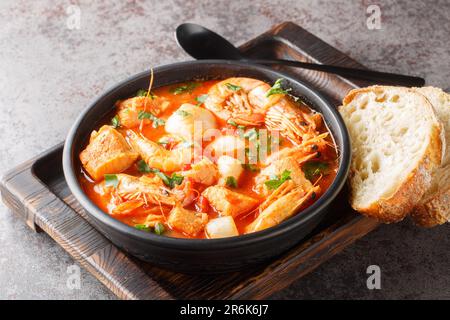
<point>202,204</point>
<point>187,167</point>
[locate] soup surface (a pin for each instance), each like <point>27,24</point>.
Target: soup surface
<point>209,159</point>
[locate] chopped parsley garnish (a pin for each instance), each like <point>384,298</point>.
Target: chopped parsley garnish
<point>252,154</point>
<point>111,180</point>
<point>201,99</point>
<point>143,93</point>
<point>176,179</point>
<point>231,182</point>
<point>314,169</point>
<point>233,87</point>
<point>188,87</point>
<point>143,227</point>
<point>147,115</point>
<point>165,178</point>
<point>115,122</point>
<point>159,228</point>
<point>276,181</point>
<point>169,181</point>
<point>182,113</point>
<point>251,134</point>
<point>232,122</point>
<point>277,89</point>
<point>143,167</point>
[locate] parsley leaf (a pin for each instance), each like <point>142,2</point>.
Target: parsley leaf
<point>142,227</point>
<point>147,115</point>
<point>188,87</point>
<point>143,167</point>
<point>176,179</point>
<point>313,169</point>
<point>143,93</point>
<point>115,122</point>
<point>201,99</point>
<point>159,228</point>
<point>232,87</point>
<point>276,181</point>
<point>182,113</point>
<point>169,181</point>
<point>232,122</point>
<point>231,182</point>
<point>111,180</point>
<point>251,134</point>
<point>277,89</point>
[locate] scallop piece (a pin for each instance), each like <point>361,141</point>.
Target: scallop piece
<point>190,122</point>
<point>222,227</point>
<point>129,109</point>
<point>229,167</point>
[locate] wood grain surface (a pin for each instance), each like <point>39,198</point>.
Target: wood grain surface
<point>36,191</point>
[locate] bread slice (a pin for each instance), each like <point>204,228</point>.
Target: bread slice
<point>434,207</point>
<point>397,142</point>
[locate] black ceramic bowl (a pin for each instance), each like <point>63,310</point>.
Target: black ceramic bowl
<point>203,255</point>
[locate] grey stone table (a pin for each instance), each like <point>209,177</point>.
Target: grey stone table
<point>51,66</point>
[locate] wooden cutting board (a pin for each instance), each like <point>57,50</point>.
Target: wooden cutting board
<point>37,191</point>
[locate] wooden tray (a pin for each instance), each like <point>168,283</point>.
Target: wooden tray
<point>37,191</point>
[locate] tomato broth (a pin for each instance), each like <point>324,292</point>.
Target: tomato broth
<point>101,178</point>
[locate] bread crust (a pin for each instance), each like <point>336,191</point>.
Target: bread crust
<point>408,194</point>
<point>434,210</point>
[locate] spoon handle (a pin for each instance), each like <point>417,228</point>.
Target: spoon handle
<point>381,77</point>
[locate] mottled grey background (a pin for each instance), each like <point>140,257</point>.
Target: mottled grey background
<point>49,73</point>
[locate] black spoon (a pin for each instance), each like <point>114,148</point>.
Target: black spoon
<point>202,43</point>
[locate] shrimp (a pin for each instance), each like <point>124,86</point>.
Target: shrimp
<point>143,190</point>
<point>303,152</point>
<point>134,192</point>
<point>291,121</point>
<point>128,110</point>
<point>246,102</point>
<point>124,208</point>
<point>275,169</point>
<point>204,172</point>
<point>158,157</point>
<point>280,205</point>
<point>242,100</point>
<point>186,192</point>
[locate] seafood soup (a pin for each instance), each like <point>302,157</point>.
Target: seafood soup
<point>209,159</point>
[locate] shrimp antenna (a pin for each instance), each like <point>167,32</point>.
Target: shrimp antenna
<point>147,96</point>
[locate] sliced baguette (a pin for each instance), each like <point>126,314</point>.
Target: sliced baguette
<point>397,142</point>
<point>434,207</point>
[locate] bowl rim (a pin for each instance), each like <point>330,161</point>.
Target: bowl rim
<point>306,215</point>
